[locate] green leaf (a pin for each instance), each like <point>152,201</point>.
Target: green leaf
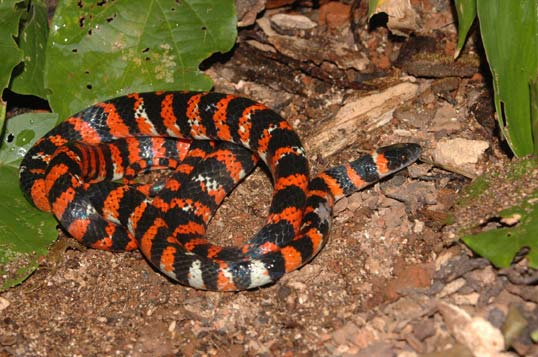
<point>25,232</point>
<point>510,36</point>
<point>466,10</point>
<point>107,49</point>
<point>33,41</point>
<point>3,108</point>
<point>500,246</point>
<point>21,133</point>
<point>372,6</point>
<point>534,110</point>
<point>10,15</point>
<point>520,221</point>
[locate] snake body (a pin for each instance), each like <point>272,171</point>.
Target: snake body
<point>210,141</point>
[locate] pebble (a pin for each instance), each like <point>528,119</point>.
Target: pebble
<point>445,119</point>
<point>412,276</point>
<point>380,349</point>
<point>451,287</point>
<point>481,277</point>
<point>365,336</point>
<point>346,333</point>
<point>467,299</point>
<point>4,303</point>
<point>461,154</point>
<point>461,151</point>
<point>334,14</point>
<point>423,329</point>
<point>418,226</point>
<point>172,326</point>
<point>475,333</point>
<point>445,257</point>
<point>419,170</point>
<point>286,22</point>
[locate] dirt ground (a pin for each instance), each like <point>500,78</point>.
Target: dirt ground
<point>392,280</point>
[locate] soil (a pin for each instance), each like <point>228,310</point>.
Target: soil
<point>392,279</point>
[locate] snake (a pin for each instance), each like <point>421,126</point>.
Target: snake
<point>86,172</point>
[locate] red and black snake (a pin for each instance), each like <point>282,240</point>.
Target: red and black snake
<point>73,172</point>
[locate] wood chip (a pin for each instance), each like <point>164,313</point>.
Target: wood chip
<point>366,113</point>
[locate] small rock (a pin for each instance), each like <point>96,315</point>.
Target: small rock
<point>458,266</point>
<point>4,303</point>
<point>247,10</point>
<point>414,194</point>
<point>481,278</point>
<point>341,206</point>
<point>423,329</point>
<point>474,332</point>
<point>394,215</point>
<point>407,308</point>
<point>297,285</point>
<point>334,14</point>
<point>525,292</point>
<point>414,343</point>
<point>172,327</point>
<point>346,333</point>
<point>467,299</point>
<point>445,257</point>
<point>460,154</point>
<point>379,323</point>
<point>418,227</point>
<point>286,23</point>
<point>373,265</point>
<point>419,170</point>
<point>381,349</point>
<point>365,336</point>
<point>413,276</point>
<point>451,287</point>
<point>416,116</point>
<point>461,151</point>
<point>446,118</point>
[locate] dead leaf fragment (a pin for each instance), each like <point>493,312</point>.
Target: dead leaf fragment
<point>403,19</point>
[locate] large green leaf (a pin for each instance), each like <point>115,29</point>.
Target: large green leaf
<point>25,232</point>
<point>534,110</point>
<point>500,246</point>
<point>33,42</point>
<point>98,50</point>
<point>510,35</point>
<point>466,10</point>
<point>520,221</point>
<point>10,14</point>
